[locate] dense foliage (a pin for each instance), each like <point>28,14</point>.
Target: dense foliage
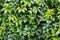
<point>29,19</point>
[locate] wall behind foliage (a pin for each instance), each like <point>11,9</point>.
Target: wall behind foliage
<point>29,19</point>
